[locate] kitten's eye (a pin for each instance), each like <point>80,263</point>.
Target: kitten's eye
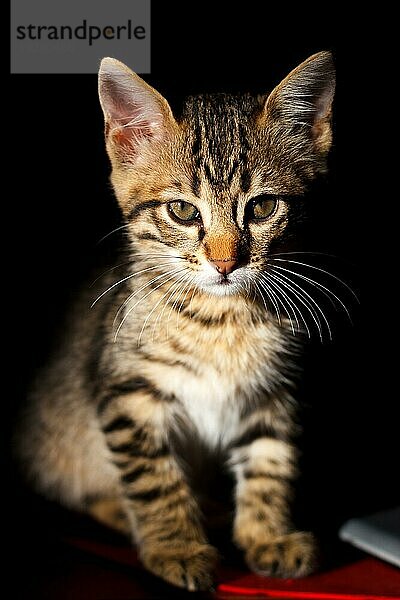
<point>262,207</point>
<point>184,211</point>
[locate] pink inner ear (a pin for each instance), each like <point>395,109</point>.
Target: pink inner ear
<point>323,103</point>
<point>131,123</point>
<point>132,112</point>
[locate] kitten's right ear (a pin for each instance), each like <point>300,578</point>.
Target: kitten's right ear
<point>305,98</point>
<point>134,112</point>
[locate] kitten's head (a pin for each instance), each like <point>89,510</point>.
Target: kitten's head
<point>215,189</point>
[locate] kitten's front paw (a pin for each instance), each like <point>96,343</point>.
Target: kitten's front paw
<point>187,566</point>
<point>291,555</point>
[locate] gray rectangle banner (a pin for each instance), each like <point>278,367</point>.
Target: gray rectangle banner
<point>58,36</point>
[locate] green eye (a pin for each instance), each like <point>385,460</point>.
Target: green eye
<point>184,211</point>
<point>262,207</point>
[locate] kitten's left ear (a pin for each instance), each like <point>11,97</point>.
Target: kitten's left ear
<point>134,112</point>
<point>305,97</point>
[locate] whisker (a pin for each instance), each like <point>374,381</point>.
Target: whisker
<point>296,262</point>
<point>266,285</point>
<point>143,287</point>
<point>295,307</point>
<point>141,299</point>
<point>262,295</point>
<point>175,285</point>
<point>190,281</point>
<point>254,291</point>
<point>309,252</point>
<point>127,262</point>
<point>160,314</point>
<point>111,232</point>
<point>289,308</point>
<point>323,289</point>
<point>318,254</point>
<point>196,287</point>
<point>125,279</point>
<point>300,293</point>
<point>271,297</point>
<point>151,255</point>
<point>153,309</point>
<point>174,304</point>
<point>306,300</point>
<point>187,293</point>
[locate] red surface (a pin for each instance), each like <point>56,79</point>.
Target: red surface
<point>278,594</point>
<point>366,579</point>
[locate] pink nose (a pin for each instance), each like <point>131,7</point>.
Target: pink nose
<point>224,266</point>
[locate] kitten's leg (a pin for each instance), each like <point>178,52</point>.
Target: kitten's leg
<point>264,467</point>
<point>164,517</point>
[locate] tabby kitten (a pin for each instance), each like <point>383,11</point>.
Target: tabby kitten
<point>182,359</point>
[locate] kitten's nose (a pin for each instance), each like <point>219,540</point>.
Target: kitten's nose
<point>224,266</point>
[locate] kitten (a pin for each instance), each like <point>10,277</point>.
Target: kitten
<point>182,360</point>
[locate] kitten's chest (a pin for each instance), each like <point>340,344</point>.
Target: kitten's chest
<point>229,369</point>
<point>212,406</point>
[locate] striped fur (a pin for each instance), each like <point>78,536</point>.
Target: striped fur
<point>177,364</point>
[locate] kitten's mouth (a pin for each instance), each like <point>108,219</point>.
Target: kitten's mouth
<point>220,286</point>
<point>223,280</point>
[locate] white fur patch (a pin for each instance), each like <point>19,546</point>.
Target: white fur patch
<point>208,401</point>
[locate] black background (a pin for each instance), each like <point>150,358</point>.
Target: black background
<point>62,204</point>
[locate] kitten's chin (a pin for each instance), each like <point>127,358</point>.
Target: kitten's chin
<point>222,288</point>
